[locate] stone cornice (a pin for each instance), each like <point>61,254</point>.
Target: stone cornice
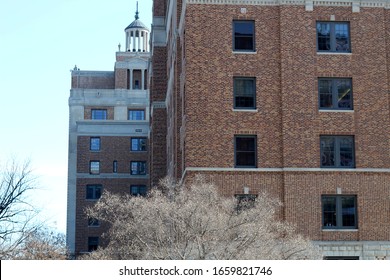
<point>308,3</point>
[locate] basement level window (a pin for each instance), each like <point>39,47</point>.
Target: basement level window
<point>138,190</point>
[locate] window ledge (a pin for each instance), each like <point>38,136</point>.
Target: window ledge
<point>336,53</point>
<point>246,110</point>
<point>341,229</point>
<point>243,52</point>
<point>336,111</point>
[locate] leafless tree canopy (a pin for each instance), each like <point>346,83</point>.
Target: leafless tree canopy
<point>16,214</point>
<point>196,222</point>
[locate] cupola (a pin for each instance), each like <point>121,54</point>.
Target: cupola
<point>137,36</point>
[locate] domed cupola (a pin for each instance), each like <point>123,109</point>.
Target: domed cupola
<point>137,36</point>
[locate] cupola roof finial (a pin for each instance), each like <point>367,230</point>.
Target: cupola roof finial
<point>136,13</point>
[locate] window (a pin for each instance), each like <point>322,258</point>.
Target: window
<point>93,191</point>
<point>333,37</point>
<point>335,93</point>
<point>136,190</point>
<point>339,212</point>
<point>244,36</point>
<point>138,144</point>
<point>344,258</point>
<point>99,114</point>
<point>244,93</point>
<point>337,151</point>
<point>94,167</point>
<point>115,166</point>
<point>245,151</point>
<point>136,115</point>
<point>94,144</point>
<point>92,222</point>
<point>93,243</point>
<point>138,168</point>
<point>245,201</point>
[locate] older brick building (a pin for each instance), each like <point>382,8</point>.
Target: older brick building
<point>108,136</point>
<point>290,97</point>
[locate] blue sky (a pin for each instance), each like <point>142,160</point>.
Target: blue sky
<point>40,41</point>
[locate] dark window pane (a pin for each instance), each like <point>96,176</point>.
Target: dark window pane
<point>327,151</point>
<point>323,36</point>
<point>93,243</point>
<point>329,211</point>
<point>244,93</point>
<point>325,89</point>
<point>346,151</point>
<point>138,190</point>
<point>348,211</point>
<point>344,93</point>
<point>93,192</point>
<point>243,35</point>
<point>245,148</point>
<point>342,37</point>
<point>138,168</point>
<point>138,144</point>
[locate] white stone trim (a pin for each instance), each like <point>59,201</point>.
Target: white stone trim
<point>355,4</point>
<point>288,169</point>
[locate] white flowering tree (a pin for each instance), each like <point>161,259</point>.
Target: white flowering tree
<point>196,222</point>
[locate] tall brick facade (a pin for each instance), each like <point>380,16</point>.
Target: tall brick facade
<point>108,136</point>
<point>194,72</point>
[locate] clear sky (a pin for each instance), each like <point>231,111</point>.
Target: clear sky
<point>40,42</point>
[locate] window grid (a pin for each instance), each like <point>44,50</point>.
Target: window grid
<point>337,151</point>
<point>244,92</point>
<point>138,168</point>
<point>94,167</point>
<point>245,151</point>
<point>335,93</point>
<point>138,144</point>
<point>339,212</point>
<point>94,144</point>
<point>99,114</point>
<point>136,115</point>
<point>333,37</point>
<point>244,36</point>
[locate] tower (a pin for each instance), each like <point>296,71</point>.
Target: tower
<point>108,136</point>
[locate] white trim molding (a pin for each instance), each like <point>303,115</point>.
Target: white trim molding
<point>309,4</point>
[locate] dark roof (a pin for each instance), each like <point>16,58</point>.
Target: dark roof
<point>136,24</point>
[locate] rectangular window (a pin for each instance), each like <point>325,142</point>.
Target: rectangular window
<point>244,36</point>
<point>92,222</point>
<point>99,114</point>
<point>94,144</point>
<point>245,151</point>
<point>335,93</point>
<point>333,37</point>
<point>245,201</point>
<point>115,166</point>
<point>138,144</point>
<point>244,93</point>
<point>94,167</point>
<point>337,151</point>
<point>339,212</point>
<point>136,115</point>
<point>138,168</point>
<point>93,191</point>
<point>93,243</point>
<point>136,190</point>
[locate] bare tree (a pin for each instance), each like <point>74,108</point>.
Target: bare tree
<point>42,244</point>
<point>16,213</point>
<point>196,222</point>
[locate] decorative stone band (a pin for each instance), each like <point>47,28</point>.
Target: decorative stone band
<point>355,4</point>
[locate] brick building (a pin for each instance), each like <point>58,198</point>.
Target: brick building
<point>108,135</point>
<point>290,97</point>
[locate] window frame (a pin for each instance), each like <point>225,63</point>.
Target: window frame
<point>337,151</point>
<point>139,169</point>
<point>339,211</point>
<point>335,93</point>
<point>138,139</point>
<point>130,118</point>
<point>332,37</point>
<point>91,144</point>
<point>248,50</point>
<point>96,190</point>
<point>95,115</point>
<point>237,153</point>
<point>138,192</point>
<point>93,243</point>
<point>94,170</point>
<point>236,95</point>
